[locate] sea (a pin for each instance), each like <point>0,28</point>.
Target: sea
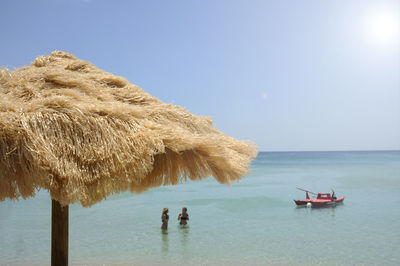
<point>252,222</point>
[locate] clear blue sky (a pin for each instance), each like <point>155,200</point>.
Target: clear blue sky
<point>289,75</point>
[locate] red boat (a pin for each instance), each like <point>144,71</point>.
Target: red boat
<point>322,199</point>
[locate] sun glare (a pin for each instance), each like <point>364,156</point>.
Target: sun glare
<point>384,28</point>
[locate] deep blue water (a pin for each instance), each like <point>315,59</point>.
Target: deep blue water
<point>252,222</point>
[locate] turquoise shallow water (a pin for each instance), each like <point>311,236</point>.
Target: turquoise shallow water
<point>253,222</point>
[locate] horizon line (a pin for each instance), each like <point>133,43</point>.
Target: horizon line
<point>334,150</point>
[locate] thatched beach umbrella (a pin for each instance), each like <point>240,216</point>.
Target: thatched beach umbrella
<point>83,134</point>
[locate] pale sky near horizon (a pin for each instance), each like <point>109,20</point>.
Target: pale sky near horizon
<point>288,75</point>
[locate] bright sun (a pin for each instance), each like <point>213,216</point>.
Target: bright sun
<point>384,28</point>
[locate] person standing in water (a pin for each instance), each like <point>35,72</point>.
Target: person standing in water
<point>183,217</point>
<point>164,219</point>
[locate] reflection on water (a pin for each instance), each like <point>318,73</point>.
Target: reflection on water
<point>164,242</point>
<point>184,237</point>
<point>184,233</point>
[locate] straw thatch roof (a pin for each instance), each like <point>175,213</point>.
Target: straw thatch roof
<point>83,133</point>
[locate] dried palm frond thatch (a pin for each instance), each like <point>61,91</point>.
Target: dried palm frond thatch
<point>82,133</point>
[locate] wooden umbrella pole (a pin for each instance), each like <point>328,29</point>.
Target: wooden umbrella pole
<point>59,234</point>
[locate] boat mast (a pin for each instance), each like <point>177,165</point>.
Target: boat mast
<point>307,191</point>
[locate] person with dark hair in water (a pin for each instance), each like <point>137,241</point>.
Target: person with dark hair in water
<point>183,217</point>
<point>333,197</point>
<point>164,219</point>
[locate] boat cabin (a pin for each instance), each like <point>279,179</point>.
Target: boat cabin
<point>326,196</point>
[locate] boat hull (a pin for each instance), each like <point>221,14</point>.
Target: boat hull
<point>302,202</point>
<point>318,203</point>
